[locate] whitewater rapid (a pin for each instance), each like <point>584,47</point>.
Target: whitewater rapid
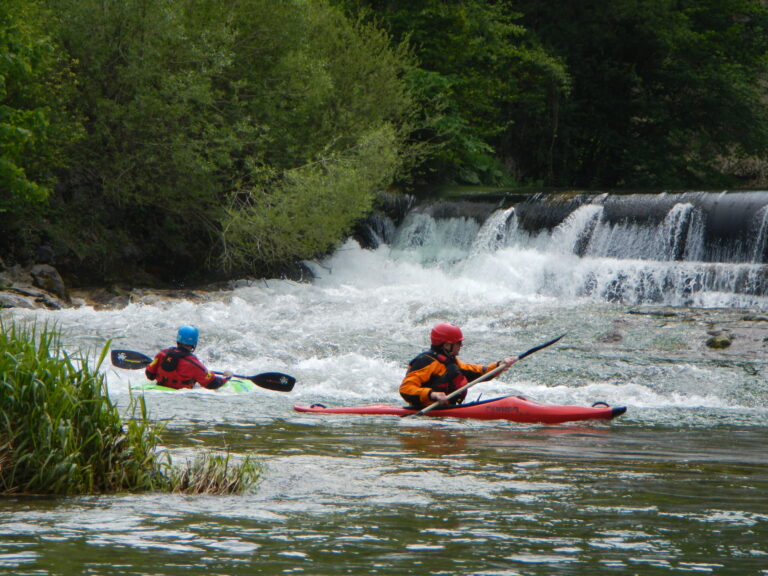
<point>348,335</point>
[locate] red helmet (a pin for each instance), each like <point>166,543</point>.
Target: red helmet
<point>445,332</point>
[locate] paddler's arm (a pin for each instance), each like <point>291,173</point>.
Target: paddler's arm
<point>151,370</point>
<point>472,371</point>
<point>412,388</point>
<point>218,381</point>
<point>194,370</point>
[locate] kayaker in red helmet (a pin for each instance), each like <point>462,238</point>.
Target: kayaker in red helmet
<point>179,368</point>
<point>437,372</point>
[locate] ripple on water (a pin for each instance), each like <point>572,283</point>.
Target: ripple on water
<point>676,484</point>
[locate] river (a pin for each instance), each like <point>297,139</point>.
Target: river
<point>678,484</point>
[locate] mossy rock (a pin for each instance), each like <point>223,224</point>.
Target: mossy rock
<point>719,342</point>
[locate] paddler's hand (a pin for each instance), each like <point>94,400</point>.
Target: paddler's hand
<point>508,361</point>
<point>440,397</point>
<point>227,374</point>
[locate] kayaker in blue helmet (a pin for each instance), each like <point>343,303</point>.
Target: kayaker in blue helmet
<point>178,367</point>
<point>437,372</point>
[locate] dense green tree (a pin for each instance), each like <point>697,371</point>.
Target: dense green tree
<point>216,127</point>
<point>487,91</point>
<point>332,113</point>
<point>661,88</point>
<point>144,186</point>
<point>35,129</point>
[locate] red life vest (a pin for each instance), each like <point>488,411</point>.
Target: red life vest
<point>178,368</point>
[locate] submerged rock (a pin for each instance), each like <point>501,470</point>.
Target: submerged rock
<point>612,337</point>
<point>720,341</point>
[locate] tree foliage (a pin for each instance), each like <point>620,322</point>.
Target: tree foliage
<point>278,221</point>
<point>334,114</point>
<point>660,89</point>
<point>21,124</point>
<point>485,86</point>
<point>35,128</point>
<point>202,114</point>
<point>146,173</point>
<point>198,137</point>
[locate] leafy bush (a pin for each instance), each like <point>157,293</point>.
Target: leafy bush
<point>36,126</point>
<point>211,124</point>
<point>310,208</point>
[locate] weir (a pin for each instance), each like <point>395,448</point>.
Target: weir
<point>692,226</point>
<point>691,248</point>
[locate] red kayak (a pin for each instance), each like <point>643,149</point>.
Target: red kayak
<point>513,408</point>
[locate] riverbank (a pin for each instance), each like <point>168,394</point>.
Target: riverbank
<point>35,286</point>
<point>40,286</point>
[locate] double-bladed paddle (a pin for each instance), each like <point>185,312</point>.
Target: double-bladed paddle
<point>484,377</point>
<point>131,360</point>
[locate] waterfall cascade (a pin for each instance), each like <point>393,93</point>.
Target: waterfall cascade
<point>695,248</point>
<point>690,226</point>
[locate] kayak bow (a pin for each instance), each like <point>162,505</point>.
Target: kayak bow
<point>512,408</point>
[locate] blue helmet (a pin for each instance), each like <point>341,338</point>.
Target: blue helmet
<point>187,335</point>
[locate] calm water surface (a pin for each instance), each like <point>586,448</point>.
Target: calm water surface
<point>356,497</point>
<point>679,484</point>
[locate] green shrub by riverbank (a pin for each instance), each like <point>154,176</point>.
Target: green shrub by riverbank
<point>61,434</point>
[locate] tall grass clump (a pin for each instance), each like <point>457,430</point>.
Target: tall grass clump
<point>60,433</point>
<point>214,474</point>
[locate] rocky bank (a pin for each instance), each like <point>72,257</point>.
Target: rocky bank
<point>41,286</point>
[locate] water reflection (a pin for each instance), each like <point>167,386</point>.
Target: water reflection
<point>433,440</point>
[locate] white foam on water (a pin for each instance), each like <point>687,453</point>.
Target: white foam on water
<point>348,335</point>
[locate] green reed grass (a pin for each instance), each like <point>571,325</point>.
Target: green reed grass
<point>215,474</point>
<point>61,434</point>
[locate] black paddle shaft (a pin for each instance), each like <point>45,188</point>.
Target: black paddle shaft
<point>539,347</point>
